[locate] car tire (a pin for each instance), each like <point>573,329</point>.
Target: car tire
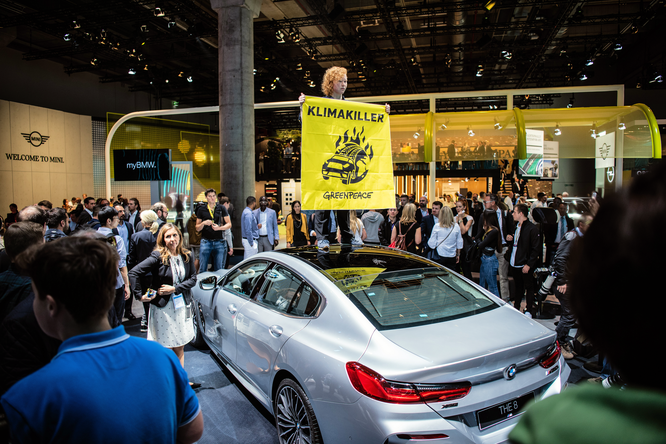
<point>198,341</point>
<point>294,417</point>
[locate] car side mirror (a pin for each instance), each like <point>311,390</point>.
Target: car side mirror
<point>208,283</point>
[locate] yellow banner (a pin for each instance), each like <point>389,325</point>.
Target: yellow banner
<point>346,149</point>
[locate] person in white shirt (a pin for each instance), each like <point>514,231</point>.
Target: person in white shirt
<point>446,239</point>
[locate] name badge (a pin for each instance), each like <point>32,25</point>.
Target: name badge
<point>178,301</point>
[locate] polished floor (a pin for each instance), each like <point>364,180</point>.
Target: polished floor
<point>232,416</point>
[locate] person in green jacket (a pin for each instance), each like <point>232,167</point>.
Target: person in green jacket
<point>616,268</point>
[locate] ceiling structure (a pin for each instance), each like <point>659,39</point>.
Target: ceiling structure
<point>169,48</point>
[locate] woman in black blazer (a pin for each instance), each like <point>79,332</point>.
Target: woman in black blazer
<point>173,275</point>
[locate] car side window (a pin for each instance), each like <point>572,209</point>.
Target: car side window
<point>280,288</point>
<point>305,302</point>
<point>243,279</point>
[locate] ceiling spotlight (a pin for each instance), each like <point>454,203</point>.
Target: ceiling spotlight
<point>76,25</point>
<point>295,35</point>
<point>558,131</point>
<point>498,126</point>
<point>466,179</point>
<point>507,55</point>
<point>299,67</point>
<point>171,24</point>
<point>571,103</point>
<point>589,62</point>
<point>593,133</point>
<point>67,37</point>
<point>489,5</point>
<point>131,71</point>
<point>190,79</point>
<point>159,12</point>
<point>470,133</point>
<point>416,135</point>
<point>622,126</point>
<point>443,126</point>
<point>583,77</point>
<point>280,36</point>
<point>479,71</point>
<point>273,86</point>
<point>254,71</point>
<point>657,79</point>
<point>94,62</point>
<point>144,28</point>
<point>145,68</point>
<point>262,89</point>
<point>312,84</point>
<point>618,47</point>
<point>166,81</point>
<point>180,74</point>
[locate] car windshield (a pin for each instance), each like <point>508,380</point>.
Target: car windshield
<point>408,298</point>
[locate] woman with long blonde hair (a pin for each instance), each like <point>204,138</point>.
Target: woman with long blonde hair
<point>173,275</point>
<point>357,228</point>
<point>446,240</point>
<point>407,234</point>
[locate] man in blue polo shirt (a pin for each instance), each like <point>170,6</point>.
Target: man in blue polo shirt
<point>99,374</point>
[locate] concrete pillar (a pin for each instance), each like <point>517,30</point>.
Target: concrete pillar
<point>236,80</point>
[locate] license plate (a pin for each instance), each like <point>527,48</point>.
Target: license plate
<point>502,412</point>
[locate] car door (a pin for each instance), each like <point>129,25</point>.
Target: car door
<point>267,322</point>
<point>234,293</point>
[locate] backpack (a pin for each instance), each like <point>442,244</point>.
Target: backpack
<point>399,243</point>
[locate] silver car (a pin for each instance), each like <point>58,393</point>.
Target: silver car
<point>375,345</point>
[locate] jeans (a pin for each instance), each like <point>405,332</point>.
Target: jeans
<point>488,273</point>
<point>216,248</point>
<point>566,317</point>
<point>503,267</point>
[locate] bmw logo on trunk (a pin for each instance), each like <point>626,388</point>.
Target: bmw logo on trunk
<point>510,372</point>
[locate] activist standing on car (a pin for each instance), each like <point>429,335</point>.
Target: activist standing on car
<point>333,86</point>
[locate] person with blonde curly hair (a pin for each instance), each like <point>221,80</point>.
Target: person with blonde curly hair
<point>333,85</point>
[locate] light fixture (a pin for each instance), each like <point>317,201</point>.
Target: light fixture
<point>145,68</point>
<point>657,79</point>
<point>299,67</point>
<point>622,126</point>
<point>131,71</point>
<point>159,12</point>
<point>443,126</point>
<point>490,4</point>
<point>67,37</point>
<point>262,89</point>
<point>583,77</point>
<point>277,79</point>
<point>558,131</point>
<point>618,47</point>
<point>466,179</point>
<point>479,71</point>
<point>593,133</point>
<point>295,35</point>
<point>166,81</point>
<point>76,25</point>
<point>416,135</point>
<point>94,62</point>
<point>144,28</point>
<point>254,71</point>
<point>571,103</point>
<point>280,36</point>
<point>190,79</point>
<point>589,62</point>
<point>180,74</point>
<point>498,126</point>
<point>171,23</point>
<point>273,86</point>
<point>470,133</point>
<point>507,55</point>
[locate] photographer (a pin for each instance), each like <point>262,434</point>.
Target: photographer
<point>560,268</point>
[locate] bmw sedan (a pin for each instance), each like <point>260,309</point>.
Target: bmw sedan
<point>375,345</point>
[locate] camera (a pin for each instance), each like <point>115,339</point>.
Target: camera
<point>546,276</point>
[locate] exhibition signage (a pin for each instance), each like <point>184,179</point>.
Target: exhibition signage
<point>347,162</point>
<point>533,165</point>
<point>152,164</point>
<point>604,148</point>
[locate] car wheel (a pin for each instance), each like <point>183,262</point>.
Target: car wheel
<point>198,341</point>
<point>294,417</point>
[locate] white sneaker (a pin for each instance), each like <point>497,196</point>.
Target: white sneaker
<point>528,314</point>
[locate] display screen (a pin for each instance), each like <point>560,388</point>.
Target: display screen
<point>551,169</point>
<point>532,167</point>
<point>152,164</point>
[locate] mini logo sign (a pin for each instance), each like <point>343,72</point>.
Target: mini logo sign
<point>604,150</point>
<point>610,174</point>
<point>510,372</point>
<point>35,139</point>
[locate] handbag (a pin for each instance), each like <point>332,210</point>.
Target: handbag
<point>433,255</point>
<point>399,243</point>
<point>472,252</point>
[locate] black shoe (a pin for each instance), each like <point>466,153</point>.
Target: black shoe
<point>130,316</point>
<point>195,385</point>
<point>593,367</point>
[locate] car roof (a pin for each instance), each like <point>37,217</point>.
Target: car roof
<point>342,261</point>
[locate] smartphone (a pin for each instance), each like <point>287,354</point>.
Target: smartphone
<point>594,194</point>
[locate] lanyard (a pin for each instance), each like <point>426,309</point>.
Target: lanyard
<point>211,213</point>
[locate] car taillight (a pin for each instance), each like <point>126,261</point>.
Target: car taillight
<point>551,357</point>
<point>374,385</point>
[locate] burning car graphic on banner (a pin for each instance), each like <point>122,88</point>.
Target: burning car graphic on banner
<point>351,159</point>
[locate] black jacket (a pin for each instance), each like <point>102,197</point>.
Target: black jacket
<point>562,256</point>
<point>529,243</point>
<point>508,227</point>
<point>130,232</point>
<point>427,224</point>
<point>161,275</point>
<point>140,246</point>
<point>551,233</point>
<point>385,231</point>
<point>24,347</point>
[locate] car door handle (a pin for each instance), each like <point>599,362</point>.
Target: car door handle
<point>232,308</point>
<point>275,330</point>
